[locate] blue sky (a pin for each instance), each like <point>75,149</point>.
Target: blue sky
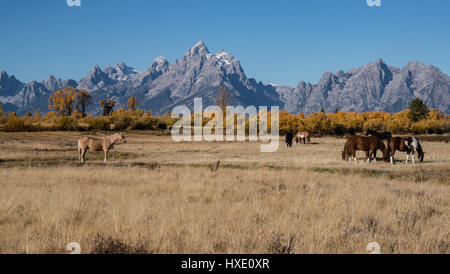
<point>279,41</point>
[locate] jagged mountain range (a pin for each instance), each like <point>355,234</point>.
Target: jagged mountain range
<point>198,73</point>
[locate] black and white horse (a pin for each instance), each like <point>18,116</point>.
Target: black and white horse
<point>407,144</point>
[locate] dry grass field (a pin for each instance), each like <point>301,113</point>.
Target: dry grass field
<point>157,196</point>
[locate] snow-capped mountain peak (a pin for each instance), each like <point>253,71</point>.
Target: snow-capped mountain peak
<point>160,60</point>
<point>198,49</point>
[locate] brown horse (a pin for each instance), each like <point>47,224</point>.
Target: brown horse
<point>408,144</point>
<point>368,144</point>
<point>302,136</point>
<point>99,144</point>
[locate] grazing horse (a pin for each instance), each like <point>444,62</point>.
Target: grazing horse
<point>408,144</point>
<point>99,144</point>
<point>302,136</point>
<point>382,136</point>
<point>368,144</point>
<point>289,137</point>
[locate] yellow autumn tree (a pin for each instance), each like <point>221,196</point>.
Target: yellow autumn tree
<point>107,106</point>
<point>63,101</point>
<point>286,121</point>
<point>222,98</point>
<point>83,100</point>
<point>341,123</point>
<point>132,103</point>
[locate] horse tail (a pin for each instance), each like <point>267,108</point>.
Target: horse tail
<point>389,145</point>
<point>384,150</point>
<point>346,149</point>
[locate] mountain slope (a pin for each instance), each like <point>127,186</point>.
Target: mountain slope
<point>198,73</point>
<point>375,86</point>
<point>9,85</point>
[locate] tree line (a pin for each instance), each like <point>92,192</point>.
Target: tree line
<point>69,99</point>
<point>69,112</point>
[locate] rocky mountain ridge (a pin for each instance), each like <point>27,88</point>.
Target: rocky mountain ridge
<point>198,73</point>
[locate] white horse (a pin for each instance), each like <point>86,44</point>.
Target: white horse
<point>99,144</point>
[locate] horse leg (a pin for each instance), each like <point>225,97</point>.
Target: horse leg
<point>392,156</point>
<point>83,153</point>
<point>413,157</point>
<point>368,155</point>
<point>407,156</point>
<point>106,153</point>
<point>375,157</point>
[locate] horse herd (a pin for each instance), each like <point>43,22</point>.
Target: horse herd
<point>370,145</point>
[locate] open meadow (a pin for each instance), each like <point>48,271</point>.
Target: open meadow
<point>158,196</point>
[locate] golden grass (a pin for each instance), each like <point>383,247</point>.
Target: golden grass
<point>157,196</point>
